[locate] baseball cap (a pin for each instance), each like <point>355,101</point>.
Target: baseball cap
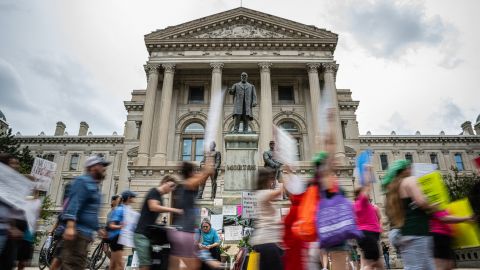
<point>94,160</point>
<point>128,194</point>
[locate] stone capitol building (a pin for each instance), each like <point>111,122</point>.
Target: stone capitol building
<point>293,68</point>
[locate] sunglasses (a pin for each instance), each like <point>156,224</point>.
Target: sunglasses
<point>205,227</point>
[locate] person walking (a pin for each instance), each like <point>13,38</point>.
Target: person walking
<point>406,207</point>
<point>386,254</point>
<point>266,237</point>
<point>182,240</point>
<point>368,221</point>
<point>115,223</point>
<point>151,208</point>
<point>81,214</point>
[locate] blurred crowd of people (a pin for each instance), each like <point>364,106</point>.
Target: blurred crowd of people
<point>418,230</point>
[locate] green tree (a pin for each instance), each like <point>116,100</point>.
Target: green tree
<point>460,185</point>
<point>9,145</point>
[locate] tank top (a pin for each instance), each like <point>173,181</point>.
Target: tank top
<point>416,219</point>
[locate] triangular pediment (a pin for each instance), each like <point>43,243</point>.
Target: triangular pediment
<point>240,24</point>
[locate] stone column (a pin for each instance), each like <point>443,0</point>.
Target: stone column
<point>160,157</point>
<point>266,120</point>
<point>331,92</point>
<point>148,110</point>
<point>314,84</point>
<point>214,91</point>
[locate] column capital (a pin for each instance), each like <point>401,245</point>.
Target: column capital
<point>313,67</point>
<point>330,67</point>
<point>216,66</point>
<point>265,66</point>
<point>169,67</point>
<point>151,68</point>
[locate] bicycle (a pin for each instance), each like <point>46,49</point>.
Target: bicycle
<point>99,255</point>
<point>46,254</point>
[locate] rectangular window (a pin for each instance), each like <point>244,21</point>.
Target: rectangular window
<point>187,150</point>
<point>299,145</point>
<point>459,162</point>
<point>49,157</point>
<point>74,162</point>
<point>285,95</point>
<point>409,157</point>
<point>199,149</point>
<point>384,161</point>
<point>434,159</point>
<point>195,95</point>
<point>344,131</point>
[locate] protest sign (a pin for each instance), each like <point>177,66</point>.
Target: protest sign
<point>421,169</point>
<point>14,187</point>
<point>43,170</point>
<point>466,234</point>
<point>130,219</point>
<point>217,222</point>
<point>249,204</point>
<point>434,188</point>
<point>233,233</point>
<point>229,210</point>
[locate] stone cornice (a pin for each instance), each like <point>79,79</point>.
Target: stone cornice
<point>348,105</point>
<point>133,105</point>
<point>386,139</point>
<point>69,139</point>
<point>274,32</point>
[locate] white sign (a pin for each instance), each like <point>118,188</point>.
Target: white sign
<point>43,170</point>
<point>14,187</point>
<point>217,222</point>
<point>249,204</point>
<point>233,233</point>
<point>204,212</point>
<point>229,210</point>
<point>130,219</point>
<point>421,169</point>
<point>217,202</point>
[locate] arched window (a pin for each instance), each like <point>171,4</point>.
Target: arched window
<point>293,129</point>
<point>192,142</point>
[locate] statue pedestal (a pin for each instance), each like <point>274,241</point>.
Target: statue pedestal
<point>241,159</point>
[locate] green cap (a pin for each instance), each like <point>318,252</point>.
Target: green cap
<point>393,170</point>
<point>320,157</point>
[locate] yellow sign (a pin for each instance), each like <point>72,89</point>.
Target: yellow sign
<point>466,234</point>
<point>434,188</point>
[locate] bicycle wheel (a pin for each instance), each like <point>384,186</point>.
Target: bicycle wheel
<point>50,252</point>
<point>98,257</point>
<point>42,258</point>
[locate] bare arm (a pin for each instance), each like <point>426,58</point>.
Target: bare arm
<point>453,219</point>
<point>155,206</point>
<point>414,192</point>
<point>196,180</point>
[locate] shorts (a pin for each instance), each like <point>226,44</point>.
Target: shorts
<point>114,245</point>
<point>25,251</point>
<point>442,247</point>
<point>369,245</point>
<point>182,243</point>
<point>142,247</point>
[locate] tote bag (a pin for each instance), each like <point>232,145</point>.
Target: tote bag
<point>304,228</point>
<point>336,221</point>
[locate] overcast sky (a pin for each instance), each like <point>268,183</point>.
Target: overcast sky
<point>413,65</point>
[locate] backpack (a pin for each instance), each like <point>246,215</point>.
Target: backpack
<point>304,228</point>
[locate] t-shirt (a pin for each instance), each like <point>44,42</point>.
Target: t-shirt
<point>437,225</point>
<point>116,217</point>
<point>210,238</point>
<point>366,214</point>
<point>268,227</point>
<point>148,217</point>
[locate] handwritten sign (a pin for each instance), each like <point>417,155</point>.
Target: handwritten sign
<point>43,170</point>
<point>434,188</point>
<point>249,204</point>
<point>229,210</point>
<point>217,222</point>
<point>233,233</point>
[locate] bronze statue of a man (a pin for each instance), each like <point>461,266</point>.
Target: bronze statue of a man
<point>245,98</point>
<point>215,156</point>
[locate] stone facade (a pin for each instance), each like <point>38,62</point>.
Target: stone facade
<point>293,68</point>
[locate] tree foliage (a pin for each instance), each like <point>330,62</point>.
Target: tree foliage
<point>460,185</point>
<point>9,145</point>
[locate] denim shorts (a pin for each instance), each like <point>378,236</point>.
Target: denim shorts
<point>142,247</point>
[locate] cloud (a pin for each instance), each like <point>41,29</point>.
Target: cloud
<point>390,29</point>
<point>11,92</point>
<point>397,123</point>
<point>449,116</point>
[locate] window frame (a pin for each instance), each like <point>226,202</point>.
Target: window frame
<point>195,138</point>
<point>384,168</point>
<point>281,88</point>
<point>296,134</point>
<point>189,97</point>
<point>436,159</point>
<point>457,162</point>
<point>72,156</point>
<point>409,157</point>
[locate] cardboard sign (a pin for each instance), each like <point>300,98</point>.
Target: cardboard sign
<point>43,170</point>
<point>229,210</point>
<point>249,204</point>
<point>434,188</point>
<point>466,234</point>
<point>233,233</point>
<point>217,222</point>
<point>217,202</point>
